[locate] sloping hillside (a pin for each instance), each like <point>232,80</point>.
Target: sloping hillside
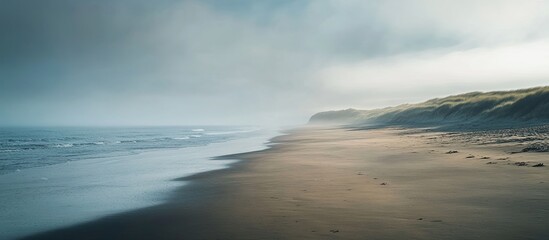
<point>526,105</point>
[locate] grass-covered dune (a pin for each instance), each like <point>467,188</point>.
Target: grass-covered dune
<point>525,105</point>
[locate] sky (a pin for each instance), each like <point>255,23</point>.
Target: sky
<point>271,62</point>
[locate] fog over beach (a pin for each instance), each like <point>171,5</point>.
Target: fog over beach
<point>256,62</point>
<point>274,119</point>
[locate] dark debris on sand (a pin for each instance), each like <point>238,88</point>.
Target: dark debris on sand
<point>536,147</point>
<point>530,138</point>
<point>526,134</point>
<point>539,165</point>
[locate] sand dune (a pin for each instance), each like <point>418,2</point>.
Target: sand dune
<point>519,106</point>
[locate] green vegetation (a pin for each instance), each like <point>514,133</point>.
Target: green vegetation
<point>526,105</point>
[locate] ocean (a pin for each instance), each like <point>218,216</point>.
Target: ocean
<point>56,177</point>
<point>22,148</point>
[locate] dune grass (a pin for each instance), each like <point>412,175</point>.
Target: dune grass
<point>525,105</point>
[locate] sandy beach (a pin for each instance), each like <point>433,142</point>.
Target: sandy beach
<point>336,183</point>
<point>252,120</point>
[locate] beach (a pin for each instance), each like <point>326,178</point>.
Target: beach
<point>252,120</point>
<point>339,183</point>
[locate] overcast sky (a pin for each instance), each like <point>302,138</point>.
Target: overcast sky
<point>167,62</point>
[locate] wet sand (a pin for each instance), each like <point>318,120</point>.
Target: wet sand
<point>332,183</point>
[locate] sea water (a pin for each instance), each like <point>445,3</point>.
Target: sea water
<point>57,177</point>
<point>22,148</point>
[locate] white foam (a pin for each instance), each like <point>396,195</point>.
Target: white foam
<point>66,145</point>
<point>198,130</point>
<point>181,138</point>
<point>10,150</point>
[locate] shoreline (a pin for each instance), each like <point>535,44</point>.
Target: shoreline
<point>336,183</point>
<point>39,199</point>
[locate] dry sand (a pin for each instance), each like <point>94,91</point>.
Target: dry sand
<point>342,184</point>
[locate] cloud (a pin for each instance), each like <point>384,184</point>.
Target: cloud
<point>192,62</point>
<point>487,65</point>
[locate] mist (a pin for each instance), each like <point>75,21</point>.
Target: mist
<point>255,62</point>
